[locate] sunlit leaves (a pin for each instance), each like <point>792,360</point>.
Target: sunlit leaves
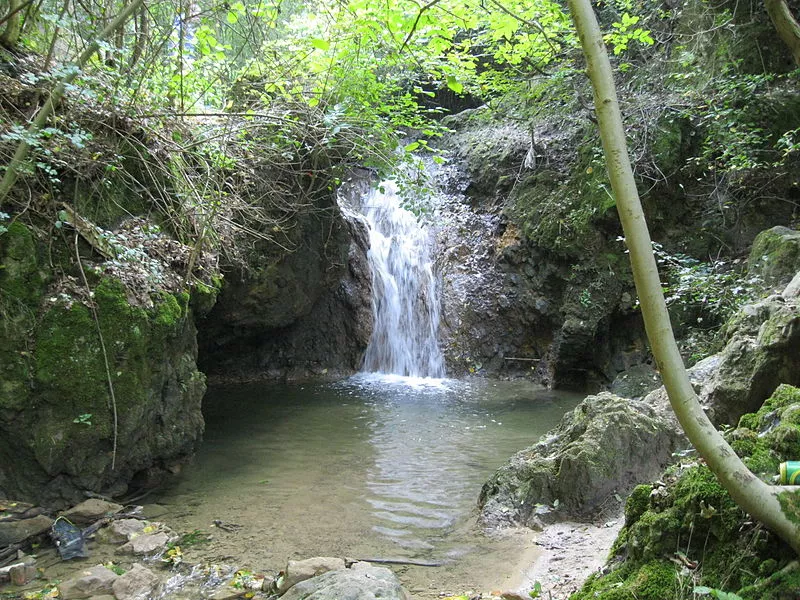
<point>454,84</point>
<point>625,32</point>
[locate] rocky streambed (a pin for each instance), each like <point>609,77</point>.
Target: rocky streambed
<point>121,554</point>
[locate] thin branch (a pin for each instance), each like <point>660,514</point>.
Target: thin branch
<point>44,112</point>
<point>416,23</point>
<point>105,356</point>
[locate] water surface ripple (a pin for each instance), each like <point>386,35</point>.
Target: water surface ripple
<point>369,467</point>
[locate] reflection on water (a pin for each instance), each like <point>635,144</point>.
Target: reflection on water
<point>372,466</point>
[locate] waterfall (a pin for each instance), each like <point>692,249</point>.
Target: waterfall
<point>405,293</point>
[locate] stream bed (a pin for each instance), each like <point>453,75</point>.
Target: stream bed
<point>372,467</point>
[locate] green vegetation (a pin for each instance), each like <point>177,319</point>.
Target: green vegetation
<point>141,143</point>
<point>689,531</point>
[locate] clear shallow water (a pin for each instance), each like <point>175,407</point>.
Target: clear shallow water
<point>375,466</point>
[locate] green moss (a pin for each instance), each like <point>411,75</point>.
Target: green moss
<point>20,278</point>
<point>71,375</point>
<point>637,503</point>
<point>654,580</point>
<point>776,585</point>
<point>790,505</point>
<point>775,254</point>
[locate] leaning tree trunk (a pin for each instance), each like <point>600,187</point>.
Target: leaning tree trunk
<point>786,25</point>
<point>764,502</point>
<point>10,35</point>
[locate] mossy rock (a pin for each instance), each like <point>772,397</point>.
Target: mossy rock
<point>21,279</point>
<point>583,463</point>
<point>775,256</point>
<point>114,391</point>
<point>693,518</point>
<point>655,580</point>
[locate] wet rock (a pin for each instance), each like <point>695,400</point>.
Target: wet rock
<point>139,583</point>
<point>300,570</point>
<point>775,255</point>
<point>15,531</point>
<point>591,459</point>
<point>361,581</point>
<point>121,531</point>
<point>146,543</point>
<point>91,510</point>
<point>95,581</point>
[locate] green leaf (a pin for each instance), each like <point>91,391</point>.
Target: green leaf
<point>702,590</point>
<point>454,84</point>
<point>411,147</point>
<point>232,17</point>
<point>320,44</point>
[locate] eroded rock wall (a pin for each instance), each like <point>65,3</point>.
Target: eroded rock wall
<point>95,389</point>
<point>297,314</point>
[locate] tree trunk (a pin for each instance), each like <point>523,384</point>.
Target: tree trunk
<point>749,492</point>
<point>786,25</point>
<point>10,35</point>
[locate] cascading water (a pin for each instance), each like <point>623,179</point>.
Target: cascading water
<point>405,292</point>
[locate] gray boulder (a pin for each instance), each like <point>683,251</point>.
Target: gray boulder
<point>13,531</point>
<point>300,570</point>
<point>91,510</point>
<point>137,584</point>
<point>361,581</point>
<point>762,351</point>
<point>93,582</point>
<point>590,460</point>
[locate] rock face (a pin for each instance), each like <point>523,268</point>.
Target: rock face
<point>299,313</point>
<point>60,430</point>
<point>361,581</point>
<point>762,351</point>
<point>602,448</point>
<point>518,302</point>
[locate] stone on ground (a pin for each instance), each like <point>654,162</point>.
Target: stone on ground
<point>300,570</point>
<point>121,531</point>
<point>96,581</point>
<point>137,584</point>
<point>91,510</point>
<point>12,532</point>
<point>361,581</point>
<point>146,543</point>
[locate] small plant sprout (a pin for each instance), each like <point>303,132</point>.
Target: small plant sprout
<point>84,419</point>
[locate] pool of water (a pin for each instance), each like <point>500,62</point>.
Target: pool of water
<point>371,467</point>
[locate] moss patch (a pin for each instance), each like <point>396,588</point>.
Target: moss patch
<point>694,516</point>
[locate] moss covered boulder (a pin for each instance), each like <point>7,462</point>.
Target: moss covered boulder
<point>775,256</point>
<point>95,388</point>
<point>597,452</point>
<point>686,531</point>
<point>762,351</point>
